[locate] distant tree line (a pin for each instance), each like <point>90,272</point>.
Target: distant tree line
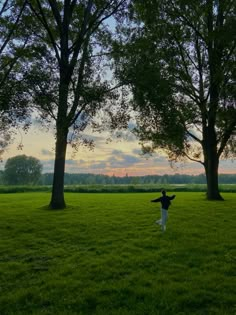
<point>90,179</point>
<point>27,170</point>
<point>99,179</point>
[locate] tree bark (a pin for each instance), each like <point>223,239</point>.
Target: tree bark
<point>212,179</point>
<point>211,164</point>
<point>57,198</point>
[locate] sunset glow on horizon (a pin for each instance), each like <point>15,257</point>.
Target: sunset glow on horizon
<point>118,158</point>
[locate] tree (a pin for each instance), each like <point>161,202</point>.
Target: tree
<point>179,60</point>
<point>67,84</point>
<point>22,170</point>
<point>13,103</point>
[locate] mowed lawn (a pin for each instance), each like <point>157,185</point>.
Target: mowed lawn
<point>105,255</point>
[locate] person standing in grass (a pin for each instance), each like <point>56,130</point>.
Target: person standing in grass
<point>165,203</point>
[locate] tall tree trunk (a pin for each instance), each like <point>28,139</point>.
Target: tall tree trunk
<point>211,164</point>
<point>211,169</point>
<point>57,198</point>
<point>215,48</point>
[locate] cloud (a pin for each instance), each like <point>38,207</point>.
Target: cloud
<point>48,166</point>
<point>72,162</point>
<point>126,136</point>
<point>81,162</point>
<point>124,160</point>
<point>94,137</point>
<point>99,166</point>
<point>75,166</point>
<point>137,151</point>
<point>71,165</point>
<point>47,152</point>
<point>117,152</point>
<point>130,137</point>
<point>130,159</point>
<point>160,159</point>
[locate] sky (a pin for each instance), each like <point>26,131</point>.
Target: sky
<point>111,158</point>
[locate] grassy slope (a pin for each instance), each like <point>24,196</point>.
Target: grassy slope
<point>105,255</point>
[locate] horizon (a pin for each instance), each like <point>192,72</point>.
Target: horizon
<point>162,175</point>
<point>117,157</point>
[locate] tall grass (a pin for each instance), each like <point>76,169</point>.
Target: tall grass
<point>104,255</point>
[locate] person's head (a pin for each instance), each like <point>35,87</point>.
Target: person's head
<point>163,192</point>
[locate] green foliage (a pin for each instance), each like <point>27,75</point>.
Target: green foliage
<point>13,48</point>
<point>104,255</point>
<point>67,82</point>
<point>181,73</point>
<point>99,179</point>
<point>22,170</point>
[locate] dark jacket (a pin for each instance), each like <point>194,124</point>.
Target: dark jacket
<point>165,201</point>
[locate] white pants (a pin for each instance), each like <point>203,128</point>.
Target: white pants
<point>164,217</point>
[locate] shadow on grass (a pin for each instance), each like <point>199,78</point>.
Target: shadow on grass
<point>48,208</point>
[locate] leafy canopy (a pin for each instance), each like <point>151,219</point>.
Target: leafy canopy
<point>22,170</point>
<point>178,59</point>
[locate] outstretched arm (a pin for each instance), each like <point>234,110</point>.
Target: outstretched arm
<point>172,197</point>
<point>156,200</point>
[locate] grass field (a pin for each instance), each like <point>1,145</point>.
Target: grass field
<point>105,255</point>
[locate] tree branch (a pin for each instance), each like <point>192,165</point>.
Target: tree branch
<point>189,78</point>
<point>79,83</point>
<point>186,20</point>
<point>193,136</point>
<point>56,14</point>
<point>202,101</point>
<point>11,65</point>
<point>79,41</point>
<point>78,113</point>
<point>192,159</point>
<point>41,17</point>
<point>188,91</point>
<point>4,7</point>
<point>13,28</point>
<point>226,136</point>
<point>107,16</point>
